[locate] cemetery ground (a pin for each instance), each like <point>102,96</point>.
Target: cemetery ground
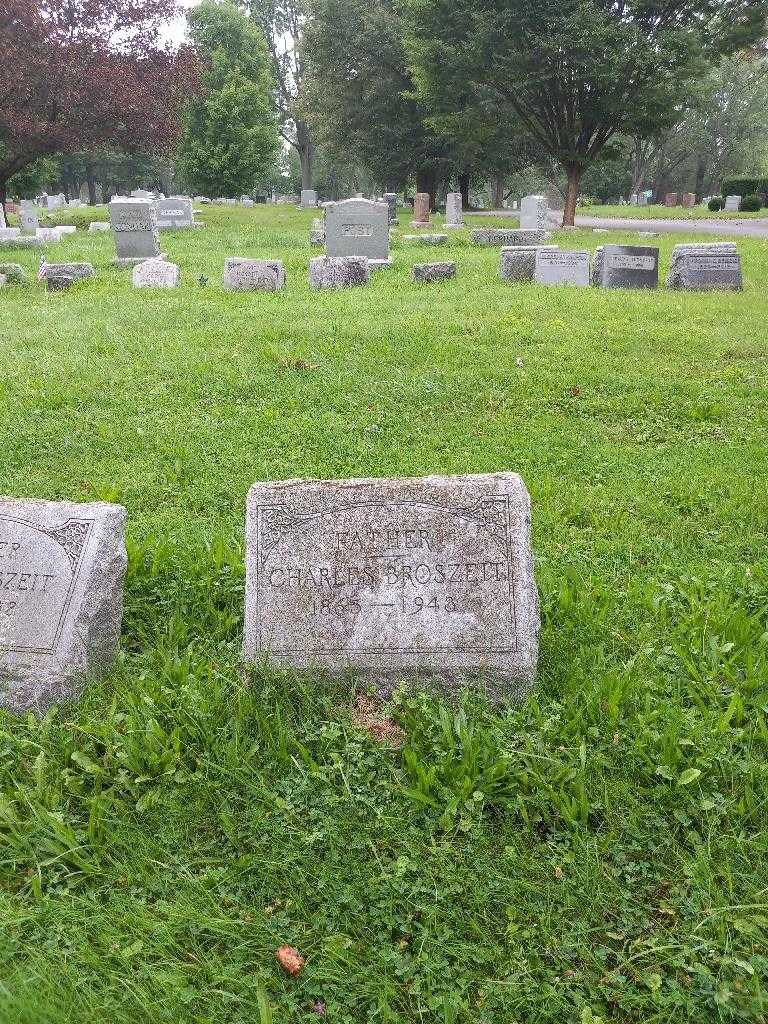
<point>597,852</point>
<point>658,211</point>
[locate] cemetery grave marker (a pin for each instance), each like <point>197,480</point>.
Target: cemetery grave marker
<point>426,239</point>
<point>174,213</point>
<point>454,213</point>
<point>534,213</point>
<point>518,262</point>
<point>308,198</point>
<point>134,223</point>
<point>509,236</point>
<point>732,204</point>
<point>626,266</point>
<point>426,273</point>
<point>155,274</point>
<point>421,207</point>
<point>390,198</point>
<point>554,266</point>
<point>338,272</point>
<point>358,227</point>
<point>245,275</point>
<point>714,266</point>
<point>28,218</point>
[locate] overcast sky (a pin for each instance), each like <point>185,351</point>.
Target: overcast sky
<point>174,32</point>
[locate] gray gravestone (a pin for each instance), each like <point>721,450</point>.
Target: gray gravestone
<point>395,579</point>
<point>243,275</point>
<point>3,223</point>
<point>60,276</point>
<point>62,568</point>
<point>338,271</point>
<point>714,266</point>
<point>518,262</point>
<point>20,241</point>
<point>426,273</point>
<point>534,212</point>
<point>9,234</point>
<point>14,273</point>
<point>134,222</point>
<point>49,234</point>
<point>174,213</point>
<point>427,239</point>
<point>142,193</point>
<point>97,225</point>
<point>732,204</point>
<point>554,266</point>
<point>308,198</point>
<point>626,266</point>
<point>509,236</point>
<point>454,214</point>
<point>357,227</point>
<point>28,217</point>
<point>390,198</point>
<point>156,274</point>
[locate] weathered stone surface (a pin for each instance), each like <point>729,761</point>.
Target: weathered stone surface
<point>28,217</point>
<point>688,200</point>
<point>66,229</point>
<point>670,199</point>
<point>428,578</point>
<point>134,222</point>
<point>244,275</point>
<point>8,234</point>
<point>3,223</point>
<point>60,276</point>
<point>156,274</point>
<point>714,266</point>
<point>308,198</point>
<point>534,213</point>
<point>49,234</point>
<point>175,213</point>
<point>14,273</point>
<point>317,236</point>
<point>357,227</point>
<point>518,262</point>
<point>732,204</point>
<point>509,236</point>
<point>454,213</point>
<point>98,225</point>
<point>426,239</point>
<point>554,266</point>
<point>338,271</point>
<point>421,207</point>
<point>20,241</point>
<point>3,280</point>
<point>426,273</point>
<point>62,567</point>
<point>390,198</point>
<point>626,266</point>
<point>142,193</point>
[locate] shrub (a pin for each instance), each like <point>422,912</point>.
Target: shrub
<point>716,204</point>
<point>744,186</point>
<point>751,204</point>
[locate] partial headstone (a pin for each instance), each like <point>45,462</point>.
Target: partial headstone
<point>134,222</point>
<point>648,234</point>
<point>626,266</point>
<point>308,198</point>
<point>534,213</point>
<point>426,273</point>
<point>203,200</point>
<point>338,271</point>
<point>156,274</point>
<point>688,200</point>
<point>60,276</point>
<point>66,229</point>
<point>454,213</point>
<point>8,234</point>
<point>49,234</point>
<point>424,579</point>
<point>670,199</point>
<point>509,236</point>
<point>317,232</point>
<point>62,570</point>
<point>247,203</point>
<point>142,193</point>
<point>358,227</point>
<point>426,239</point>
<point>244,275</point>
<point>98,225</point>
<point>421,207</point>
<point>3,280</point>
<point>13,273</point>
<point>20,241</point>
<point>28,217</point>
<point>3,222</point>
<point>174,213</point>
<point>642,199</point>
<point>554,266</point>
<point>713,266</point>
<point>518,262</point>
<point>732,204</point>
<point>390,198</point>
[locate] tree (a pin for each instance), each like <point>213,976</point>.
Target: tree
<point>575,72</point>
<point>75,74</point>
<point>230,140</point>
<point>283,23</point>
<point>360,94</point>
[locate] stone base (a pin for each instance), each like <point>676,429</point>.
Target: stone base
<point>132,261</point>
<point>379,264</point>
<point>426,273</point>
<point>419,223</point>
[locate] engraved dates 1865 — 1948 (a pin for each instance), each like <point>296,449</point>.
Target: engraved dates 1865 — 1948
<point>395,578</point>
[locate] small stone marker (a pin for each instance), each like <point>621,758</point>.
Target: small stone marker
<point>338,271</point>
<point>554,266</point>
<point>390,198</point>
<point>626,266</point>
<point>358,227</point>
<point>454,213</point>
<point>244,275</point>
<point>14,273</point>
<point>688,200</point>
<point>49,234</point>
<point>518,262</point>
<point>156,274</point>
<point>509,236</point>
<point>308,198</point>
<point>174,213</point>
<point>534,213</point>
<point>134,222</point>
<point>395,579</point>
<point>62,569</point>
<point>426,239</point>
<point>66,229</point>
<point>19,241</point>
<point>421,205</point>
<point>142,193</point>
<point>670,199</point>
<point>714,266</point>
<point>426,273</point>
<point>60,276</point>
<point>7,234</point>
<point>3,223</point>
<point>732,204</point>
<point>28,217</point>
<point>98,225</point>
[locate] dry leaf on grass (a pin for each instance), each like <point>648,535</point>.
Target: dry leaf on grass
<point>290,960</point>
<point>368,716</point>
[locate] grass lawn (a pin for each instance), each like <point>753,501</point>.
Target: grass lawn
<point>666,213</point>
<point>599,852</point>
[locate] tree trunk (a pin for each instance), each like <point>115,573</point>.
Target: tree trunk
<point>426,181</point>
<point>701,170</point>
<point>91,180</point>
<point>571,194</point>
<point>464,189</point>
<point>306,150</point>
<point>497,194</point>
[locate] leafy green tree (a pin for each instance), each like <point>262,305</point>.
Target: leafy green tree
<point>230,139</point>
<point>576,73</point>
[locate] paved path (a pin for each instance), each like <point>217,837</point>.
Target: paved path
<point>755,228</point>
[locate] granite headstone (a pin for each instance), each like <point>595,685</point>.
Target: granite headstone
<point>626,266</point>
<point>358,227</point>
<point>555,266</point>
<point>246,275</point>
<point>713,266</point>
<point>134,223</point>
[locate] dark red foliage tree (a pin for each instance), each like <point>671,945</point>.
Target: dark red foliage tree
<point>79,74</point>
